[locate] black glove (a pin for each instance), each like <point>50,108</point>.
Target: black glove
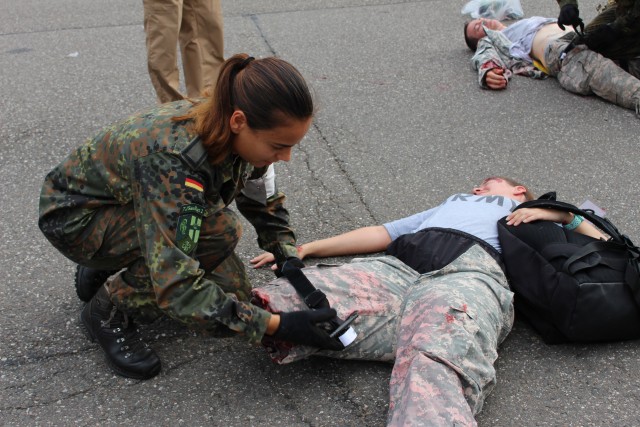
<point>301,327</point>
<point>292,261</point>
<point>601,37</point>
<point>570,15</point>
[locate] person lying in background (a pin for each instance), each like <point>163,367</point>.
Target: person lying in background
<point>537,47</point>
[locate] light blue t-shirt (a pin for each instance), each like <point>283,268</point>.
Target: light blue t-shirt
<point>521,34</point>
<point>475,215</point>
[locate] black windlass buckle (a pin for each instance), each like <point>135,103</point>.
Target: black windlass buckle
<point>314,299</point>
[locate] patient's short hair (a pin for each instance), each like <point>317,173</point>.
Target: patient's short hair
<point>528,195</point>
<point>471,43</point>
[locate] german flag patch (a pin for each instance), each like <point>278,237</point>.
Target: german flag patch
<point>192,183</point>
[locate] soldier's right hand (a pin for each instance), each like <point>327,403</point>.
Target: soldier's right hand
<point>304,327</point>
<point>570,15</point>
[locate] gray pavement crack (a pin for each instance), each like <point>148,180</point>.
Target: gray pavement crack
<point>323,187</point>
<point>331,7</point>
<point>256,21</point>
<point>43,403</point>
<point>38,358</point>
<point>55,30</point>
<point>341,166</point>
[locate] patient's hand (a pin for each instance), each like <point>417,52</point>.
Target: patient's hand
<point>495,79</point>
<point>262,259</point>
<point>526,215</point>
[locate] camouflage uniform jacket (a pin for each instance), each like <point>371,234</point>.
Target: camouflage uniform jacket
<point>493,52</point>
<point>159,167</point>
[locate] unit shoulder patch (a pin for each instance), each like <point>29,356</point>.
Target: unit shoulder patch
<point>188,227</point>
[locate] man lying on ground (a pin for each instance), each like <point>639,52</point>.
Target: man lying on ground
<point>536,47</point>
<point>437,306</point>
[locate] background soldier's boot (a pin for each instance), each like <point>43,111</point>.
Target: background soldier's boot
<point>117,335</point>
<point>89,280</point>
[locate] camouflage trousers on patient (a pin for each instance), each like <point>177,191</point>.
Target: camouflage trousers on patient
<point>107,238</point>
<point>441,329</point>
<point>586,72</point>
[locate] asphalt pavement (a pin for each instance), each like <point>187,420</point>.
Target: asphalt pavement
<point>401,125</point>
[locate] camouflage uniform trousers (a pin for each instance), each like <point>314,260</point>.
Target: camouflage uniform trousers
<point>586,72</point>
<point>109,240</point>
<point>441,329</point>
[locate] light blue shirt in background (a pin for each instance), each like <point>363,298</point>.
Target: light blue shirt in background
<point>521,34</point>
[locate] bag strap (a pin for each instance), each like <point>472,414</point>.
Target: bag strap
<point>588,249</point>
<point>621,241</point>
<point>632,271</point>
<point>632,275</point>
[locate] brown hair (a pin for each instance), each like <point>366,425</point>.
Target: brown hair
<point>528,195</point>
<point>269,91</point>
<point>471,43</point>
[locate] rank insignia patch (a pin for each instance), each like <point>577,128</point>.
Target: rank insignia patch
<point>192,183</point>
<point>188,228</point>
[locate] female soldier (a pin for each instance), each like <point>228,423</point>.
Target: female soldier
<point>150,195</point>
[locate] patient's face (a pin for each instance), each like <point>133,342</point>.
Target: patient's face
<point>475,30</point>
<point>496,187</point>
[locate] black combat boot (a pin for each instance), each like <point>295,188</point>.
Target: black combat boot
<point>117,335</point>
<point>89,280</point>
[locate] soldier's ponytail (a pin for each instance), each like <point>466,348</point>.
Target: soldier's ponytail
<point>269,91</point>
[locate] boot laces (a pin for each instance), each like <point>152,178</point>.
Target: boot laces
<point>129,334</point>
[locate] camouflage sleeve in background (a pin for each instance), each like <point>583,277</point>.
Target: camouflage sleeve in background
<point>627,19</point>
<point>622,15</point>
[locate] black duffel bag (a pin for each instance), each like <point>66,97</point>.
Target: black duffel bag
<point>572,287</point>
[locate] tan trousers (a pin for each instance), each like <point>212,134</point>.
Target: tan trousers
<point>197,26</point>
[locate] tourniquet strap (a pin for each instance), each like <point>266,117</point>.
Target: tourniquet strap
<point>313,297</point>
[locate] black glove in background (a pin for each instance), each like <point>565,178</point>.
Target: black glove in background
<point>301,327</point>
<point>570,15</point>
